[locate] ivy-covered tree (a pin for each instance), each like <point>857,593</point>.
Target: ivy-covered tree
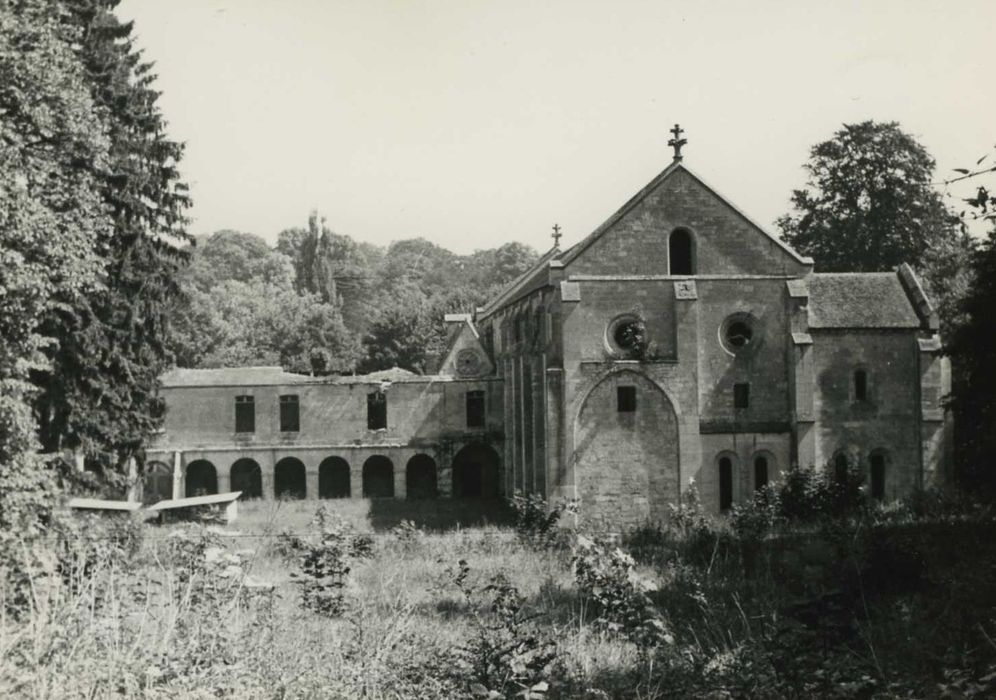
<point>102,394</point>
<point>53,230</point>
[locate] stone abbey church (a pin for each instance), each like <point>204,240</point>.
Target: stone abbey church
<point>678,343</point>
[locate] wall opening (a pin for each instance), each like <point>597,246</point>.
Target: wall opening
<point>378,477</point>
<point>681,253</point>
<point>878,476</point>
<point>760,472</point>
<point>725,484</point>
<point>840,467</point>
<point>245,414</point>
<point>247,477</point>
<point>289,480</point>
<point>377,410</point>
<point>860,385</point>
<point>626,399</point>
<point>202,479</point>
<point>475,409</point>
<point>333,478</point>
<point>290,414</point>
<point>157,483</point>
<point>475,472</point>
<point>420,477</point>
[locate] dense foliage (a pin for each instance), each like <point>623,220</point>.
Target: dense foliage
<point>321,303</point>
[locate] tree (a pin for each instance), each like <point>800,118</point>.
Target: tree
<point>102,394</point>
<point>233,255</point>
<point>53,228</point>
<point>868,204</point>
<point>407,332</point>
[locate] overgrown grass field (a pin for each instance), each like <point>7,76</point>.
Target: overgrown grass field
<point>444,599</point>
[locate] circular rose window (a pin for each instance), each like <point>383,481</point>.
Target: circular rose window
<point>739,333</point>
<point>626,337</point>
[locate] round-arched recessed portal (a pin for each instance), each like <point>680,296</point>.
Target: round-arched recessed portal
<point>202,479</point>
<point>378,477</point>
<point>475,472</point>
<point>157,483</point>
<point>420,477</point>
<point>247,477</point>
<point>333,478</point>
<point>289,480</point>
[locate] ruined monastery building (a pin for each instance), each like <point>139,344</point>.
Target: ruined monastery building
<point>678,343</point>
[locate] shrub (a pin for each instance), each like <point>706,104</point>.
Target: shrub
<point>536,520</point>
<point>324,564</point>
<point>508,656</point>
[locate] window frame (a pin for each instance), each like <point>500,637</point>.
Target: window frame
<point>377,417</point>
<point>480,414</point>
<point>243,403</point>
<point>289,400</point>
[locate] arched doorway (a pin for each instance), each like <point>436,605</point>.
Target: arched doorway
<point>378,477</point>
<point>157,483</point>
<point>420,477</point>
<point>333,478</point>
<point>289,480</point>
<point>247,477</point>
<point>725,483</point>
<point>475,472</point>
<point>202,479</point>
<point>626,461</point>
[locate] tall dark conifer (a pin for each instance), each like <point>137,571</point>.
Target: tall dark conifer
<point>102,395</point>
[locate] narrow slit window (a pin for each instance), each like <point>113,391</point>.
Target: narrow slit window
<point>878,477</point>
<point>290,414</point>
<point>860,385</point>
<point>377,410</point>
<point>245,414</point>
<point>741,395</point>
<point>725,484</point>
<point>760,472</point>
<point>626,399</point>
<point>475,409</point>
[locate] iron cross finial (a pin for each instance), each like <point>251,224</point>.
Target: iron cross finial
<point>556,235</point>
<point>677,142</point>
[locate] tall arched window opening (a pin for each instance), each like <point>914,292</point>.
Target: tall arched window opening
<point>878,476</point>
<point>760,472</point>
<point>681,253</point>
<point>725,484</point>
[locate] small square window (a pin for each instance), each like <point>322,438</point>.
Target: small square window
<point>626,399</point>
<point>290,414</point>
<point>475,409</point>
<point>741,395</point>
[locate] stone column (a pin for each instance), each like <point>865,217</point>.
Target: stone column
<point>311,484</point>
<point>400,487</point>
<point>177,475</point>
<point>224,480</point>
<point>133,483</point>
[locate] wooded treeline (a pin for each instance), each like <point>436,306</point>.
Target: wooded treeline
<point>322,303</point>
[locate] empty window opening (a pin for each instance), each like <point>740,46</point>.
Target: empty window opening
<point>377,411</point>
<point>860,385</point>
<point>878,477</point>
<point>378,477</point>
<point>725,484</point>
<point>739,334</point>
<point>420,478</point>
<point>626,399</point>
<point>741,395</point>
<point>681,253</point>
<point>760,472</point>
<point>475,409</point>
<point>290,414</point>
<point>333,478</point>
<point>245,414</point>
<point>247,477</point>
<point>840,468</point>
<point>289,479</point>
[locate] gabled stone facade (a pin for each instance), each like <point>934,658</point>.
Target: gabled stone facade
<point>679,342</point>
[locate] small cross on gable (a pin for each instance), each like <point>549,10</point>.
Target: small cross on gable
<point>556,235</point>
<point>677,142</point>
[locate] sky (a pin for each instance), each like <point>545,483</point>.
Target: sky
<point>473,124</point>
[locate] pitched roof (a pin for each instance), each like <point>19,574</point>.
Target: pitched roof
<point>859,300</point>
<point>675,166</point>
<point>233,376</point>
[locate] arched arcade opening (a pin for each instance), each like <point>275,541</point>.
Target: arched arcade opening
<point>420,477</point>
<point>202,479</point>
<point>333,478</point>
<point>157,483</point>
<point>247,477</point>
<point>475,472</point>
<point>378,477</point>
<point>289,480</point>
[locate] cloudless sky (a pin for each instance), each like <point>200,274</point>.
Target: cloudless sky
<point>477,123</point>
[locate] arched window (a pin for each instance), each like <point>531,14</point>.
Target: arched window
<point>725,483</point>
<point>860,385</point>
<point>877,461</point>
<point>840,467</point>
<point>760,472</point>
<point>681,253</point>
